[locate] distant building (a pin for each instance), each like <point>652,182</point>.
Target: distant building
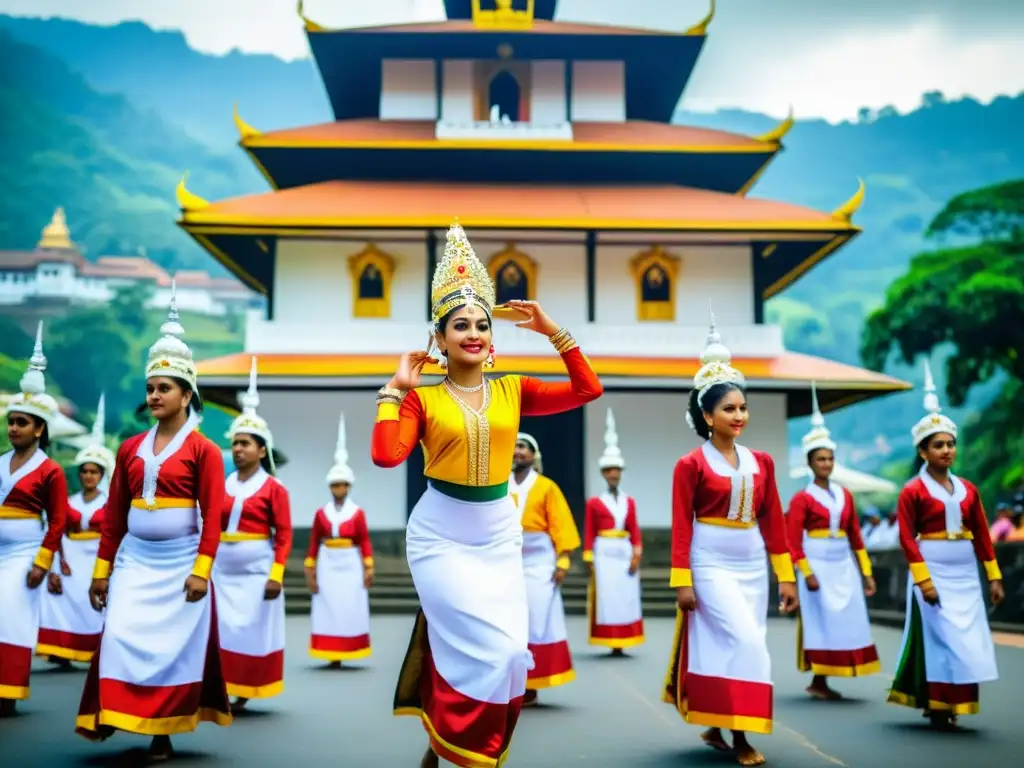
<point>57,274</point>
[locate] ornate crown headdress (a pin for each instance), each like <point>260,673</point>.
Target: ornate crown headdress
<point>96,452</point>
<point>341,472</point>
<point>170,356</point>
<point>936,421</point>
<point>249,422</point>
<point>460,279</point>
<point>716,365</point>
<point>33,399</point>
<point>612,456</point>
<point>818,436</point>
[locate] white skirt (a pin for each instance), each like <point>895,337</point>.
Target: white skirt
<point>19,606</point>
<point>616,619</point>
<point>252,629</point>
<point>834,632</point>
<point>548,637</point>
<point>69,627</point>
<point>340,613</point>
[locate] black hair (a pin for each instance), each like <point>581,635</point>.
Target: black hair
<point>195,404</point>
<point>441,324</point>
<point>708,404</point>
<point>44,439</point>
<point>265,461</point>
<point>923,446</point>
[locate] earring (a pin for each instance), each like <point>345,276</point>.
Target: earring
<point>491,357</point>
<point>443,360</point>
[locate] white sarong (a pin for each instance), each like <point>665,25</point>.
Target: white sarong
<point>616,617</point>
<point>340,612</point>
<point>69,628</point>
<point>834,631</point>
<point>548,637</point>
<point>465,672</point>
<point>19,606</point>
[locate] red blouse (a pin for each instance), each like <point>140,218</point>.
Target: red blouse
<point>699,493</point>
<point>44,489</point>
<point>597,518</point>
<point>806,513</point>
<point>354,530</point>
<point>267,513</point>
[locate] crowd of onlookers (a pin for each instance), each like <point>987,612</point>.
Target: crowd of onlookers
<point>882,531</point>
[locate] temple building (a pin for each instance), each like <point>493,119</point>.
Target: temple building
<point>552,144</point>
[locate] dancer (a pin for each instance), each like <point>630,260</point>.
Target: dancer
<point>158,669</point>
<point>833,630</point>
<point>254,547</point>
<point>549,537</point>
<point>612,547</point>
<point>32,486</point>
<point>465,671</point>
<point>725,514</point>
<point>339,570</point>
<point>947,645</point>
<point>69,629</point>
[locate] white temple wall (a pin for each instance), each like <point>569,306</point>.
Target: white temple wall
<point>598,92</point>
<point>457,91</point>
<point>408,90</point>
<point>547,92</point>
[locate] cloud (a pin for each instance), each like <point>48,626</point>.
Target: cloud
<point>826,59</point>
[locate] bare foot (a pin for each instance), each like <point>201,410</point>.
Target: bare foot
<point>530,699</point>
<point>818,689</point>
<point>160,749</point>
<point>714,739</point>
<point>618,652</point>
<point>942,721</point>
<point>334,665</point>
<point>745,754</point>
<point>429,759</point>
<point>238,705</point>
<point>8,707</point>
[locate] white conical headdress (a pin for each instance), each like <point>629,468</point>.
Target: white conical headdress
<point>818,436</point>
<point>716,364</point>
<point>97,452</point>
<point>935,421</point>
<point>33,399</point>
<point>341,472</point>
<point>170,356</point>
<point>249,422</point>
<point>612,456</point>
<point>530,440</point>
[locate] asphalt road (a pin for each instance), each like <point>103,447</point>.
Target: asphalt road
<point>610,717</point>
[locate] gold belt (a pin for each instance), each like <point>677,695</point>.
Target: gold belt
<point>825,533</point>
<point>234,538</point>
<point>339,543</point>
<point>163,503</point>
<point>610,534</point>
<point>725,522</point>
<point>946,536</point>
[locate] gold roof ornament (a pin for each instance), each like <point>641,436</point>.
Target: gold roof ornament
<point>56,236</point>
<point>701,28</point>
<point>245,131</point>
<point>460,279</point>
<point>188,201</point>
<point>504,14</point>
<point>311,26</point>
<point>776,134</point>
<point>845,212</point>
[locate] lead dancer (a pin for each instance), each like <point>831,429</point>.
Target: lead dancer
<point>255,544</point>
<point>549,537</point>
<point>465,671</point>
<point>612,548</point>
<point>32,486</point>
<point>833,630</point>
<point>70,629</point>
<point>158,669</point>
<point>947,643</point>
<point>726,514</point>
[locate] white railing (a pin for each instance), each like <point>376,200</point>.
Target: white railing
<point>486,130</point>
<point>369,337</point>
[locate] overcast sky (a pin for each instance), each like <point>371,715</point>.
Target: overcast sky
<point>826,58</point>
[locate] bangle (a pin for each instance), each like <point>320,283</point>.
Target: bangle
<point>390,395</point>
<point>563,341</point>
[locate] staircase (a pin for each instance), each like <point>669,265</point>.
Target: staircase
<point>393,592</point>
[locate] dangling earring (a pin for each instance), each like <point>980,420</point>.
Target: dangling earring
<point>443,360</point>
<point>491,357</point>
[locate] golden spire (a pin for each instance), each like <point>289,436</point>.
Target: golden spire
<point>245,131</point>
<point>311,26</point>
<point>504,16</point>
<point>56,235</point>
<point>776,134</point>
<point>844,212</point>
<point>702,27</point>
<point>186,200</point>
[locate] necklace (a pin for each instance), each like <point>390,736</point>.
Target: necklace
<point>461,388</point>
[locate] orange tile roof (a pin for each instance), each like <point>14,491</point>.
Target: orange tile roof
<point>540,27</point>
<point>336,204</point>
<point>637,135</point>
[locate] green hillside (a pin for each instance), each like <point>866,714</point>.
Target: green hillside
<point>113,168</point>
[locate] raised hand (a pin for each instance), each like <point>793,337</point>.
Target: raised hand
<point>538,319</point>
<point>410,368</point>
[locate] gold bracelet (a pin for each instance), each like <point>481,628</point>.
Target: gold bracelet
<point>390,393</point>
<point>563,341</point>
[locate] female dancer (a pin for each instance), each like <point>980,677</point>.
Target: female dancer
<point>70,629</point>
<point>31,485</point>
<point>833,631</point>
<point>947,644</point>
<point>612,547</point>
<point>465,672</point>
<point>158,668</point>
<point>725,513</point>
<point>255,544</point>
<point>339,570</point>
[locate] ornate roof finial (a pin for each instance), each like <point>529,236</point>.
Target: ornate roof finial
<point>701,28</point>
<point>845,212</point>
<point>56,236</point>
<point>245,131</point>
<point>776,134</point>
<point>33,382</point>
<point>311,26</point>
<point>188,201</point>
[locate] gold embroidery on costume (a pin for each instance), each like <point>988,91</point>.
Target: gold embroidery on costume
<point>478,437</point>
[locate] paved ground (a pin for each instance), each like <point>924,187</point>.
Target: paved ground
<point>611,717</point>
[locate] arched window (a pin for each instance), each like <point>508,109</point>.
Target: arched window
<point>514,274</point>
<point>372,271</point>
<point>503,91</point>
<point>654,274</point>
